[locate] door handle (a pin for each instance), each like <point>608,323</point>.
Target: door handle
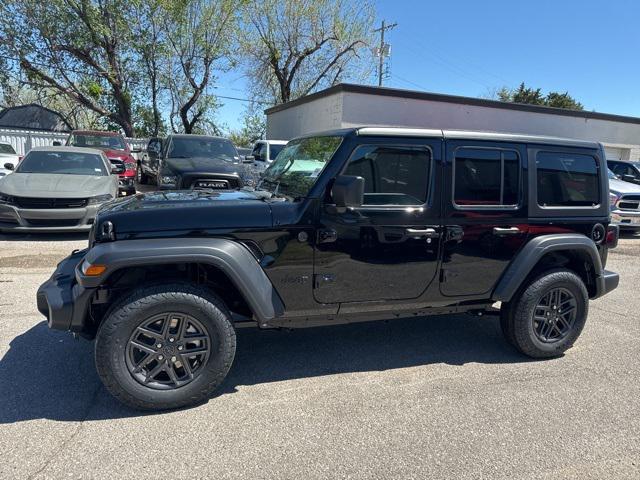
<point>427,232</point>
<point>506,231</point>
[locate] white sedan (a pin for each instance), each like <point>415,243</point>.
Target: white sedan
<point>7,155</point>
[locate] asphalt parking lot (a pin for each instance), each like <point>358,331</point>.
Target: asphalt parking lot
<point>442,397</point>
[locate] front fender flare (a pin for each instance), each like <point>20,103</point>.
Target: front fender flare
<point>535,249</point>
<point>229,256</point>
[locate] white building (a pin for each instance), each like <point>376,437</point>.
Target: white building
<point>347,105</point>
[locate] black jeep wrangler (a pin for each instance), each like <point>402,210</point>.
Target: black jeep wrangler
<point>345,226</point>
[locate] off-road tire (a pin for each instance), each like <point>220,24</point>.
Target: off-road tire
<point>516,319</point>
<point>124,317</point>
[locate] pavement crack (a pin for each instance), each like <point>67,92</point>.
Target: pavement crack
<point>70,438</point>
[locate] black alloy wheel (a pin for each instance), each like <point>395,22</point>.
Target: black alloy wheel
<point>554,315</point>
<point>168,350</point>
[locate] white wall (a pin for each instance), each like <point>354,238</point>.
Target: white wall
<point>349,109</point>
<point>24,140</point>
<point>315,116</point>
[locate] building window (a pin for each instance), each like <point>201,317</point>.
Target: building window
<point>568,180</point>
<point>393,175</point>
<point>486,177</point>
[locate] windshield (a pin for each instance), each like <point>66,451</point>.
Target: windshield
<point>275,150</point>
<point>4,148</point>
<point>610,174</point>
<point>104,142</point>
<point>72,163</point>
<point>299,165</point>
<point>202,147</point>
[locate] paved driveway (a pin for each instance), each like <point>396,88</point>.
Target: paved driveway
<point>442,397</point>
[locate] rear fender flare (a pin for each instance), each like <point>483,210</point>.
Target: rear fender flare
<point>524,262</point>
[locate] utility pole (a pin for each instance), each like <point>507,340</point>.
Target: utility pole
<point>383,50</point>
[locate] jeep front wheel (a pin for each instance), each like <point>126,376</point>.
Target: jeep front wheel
<point>165,347</point>
<point>548,315</point>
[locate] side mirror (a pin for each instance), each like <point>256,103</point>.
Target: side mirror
<point>348,191</point>
<point>628,178</point>
<point>248,159</point>
<point>9,166</point>
<point>57,143</point>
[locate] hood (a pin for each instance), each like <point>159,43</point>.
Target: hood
<point>202,165</point>
<point>48,185</point>
<point>620,186</point>
<point>190,210</point>
<point>119,154</point>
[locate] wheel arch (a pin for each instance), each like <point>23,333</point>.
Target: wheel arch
<point>575,252</point>
<point>222,259</point>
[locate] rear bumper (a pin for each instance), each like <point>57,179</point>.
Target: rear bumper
<point>606,282</point>
<point>61,299</point>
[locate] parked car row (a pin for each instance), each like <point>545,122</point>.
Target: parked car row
<point>56,189</point>
<point>61,188</point>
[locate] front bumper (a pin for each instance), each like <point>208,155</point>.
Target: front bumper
<point>17,219</point>
<point>61,299</point>
<point>626,219</point>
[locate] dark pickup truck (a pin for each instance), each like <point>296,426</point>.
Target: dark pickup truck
<point>191,161</point>
<point>344,226</point>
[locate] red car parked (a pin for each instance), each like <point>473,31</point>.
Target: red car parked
<point>117,151</point>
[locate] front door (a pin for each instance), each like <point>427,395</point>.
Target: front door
<point>485,216</point>
<point>387,249</point>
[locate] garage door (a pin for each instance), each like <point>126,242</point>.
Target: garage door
<point>613,153</point>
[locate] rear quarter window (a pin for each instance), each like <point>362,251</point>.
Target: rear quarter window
<point>567,180</point>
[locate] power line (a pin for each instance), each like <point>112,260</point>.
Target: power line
<point>384,50</point>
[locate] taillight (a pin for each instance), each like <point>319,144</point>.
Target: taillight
<point>611,239</point>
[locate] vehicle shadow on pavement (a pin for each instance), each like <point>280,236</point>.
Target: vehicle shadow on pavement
<point>47,374</point>
<point>270,356</point>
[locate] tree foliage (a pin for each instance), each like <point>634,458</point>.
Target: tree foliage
<point>295,47</point>
<point>79,48</point>
<point>531,96</point>
<point>199,35</point>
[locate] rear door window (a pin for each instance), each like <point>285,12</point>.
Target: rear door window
<point>486,177</point>
<point>567,180</point>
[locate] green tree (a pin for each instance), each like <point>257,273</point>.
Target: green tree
<point>78,48</point>
<point>253,128</point>
<point>199,36</point>
<point>292,48</point>
<point>531,96</point>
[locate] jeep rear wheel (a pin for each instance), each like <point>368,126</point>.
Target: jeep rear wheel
<point>165,347</point>
<point>548,315</point>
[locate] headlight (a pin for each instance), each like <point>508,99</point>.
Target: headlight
<point>613,198</point>
<point>100,199</point>
<point>129,166</point>
<point>168,179</point>
<point>6,199</point>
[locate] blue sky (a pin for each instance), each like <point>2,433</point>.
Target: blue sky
<point>464,47</point>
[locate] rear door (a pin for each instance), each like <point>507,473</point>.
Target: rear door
<point>486,220</point>
<point>388,248</point>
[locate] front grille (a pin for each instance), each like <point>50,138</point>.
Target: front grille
<point>219,182</point>
<point>48,203</point>
<point>52,222</point>
<point>119,164</point>
<point>629,202</point>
